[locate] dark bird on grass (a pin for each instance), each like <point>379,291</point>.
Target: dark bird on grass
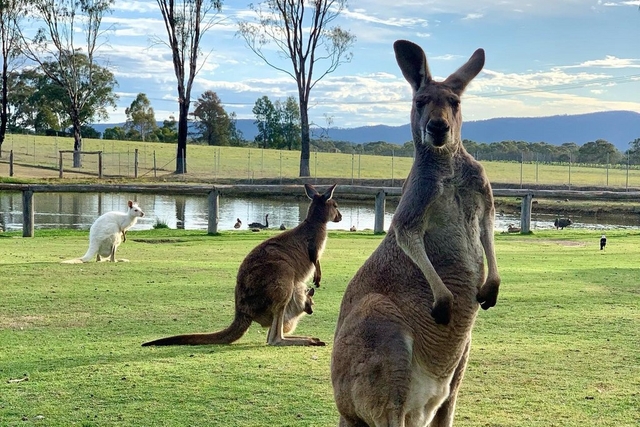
<point>238,223</point>
<point>603,242</point>
<point>258,225</point>
<point>282,227</point>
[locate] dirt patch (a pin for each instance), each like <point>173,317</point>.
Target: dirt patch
<point>570,243</point>
<point>153,241</point>
<point>21,322</point>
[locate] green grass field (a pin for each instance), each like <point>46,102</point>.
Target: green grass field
<point>561,348</point>
<point>211,163</point>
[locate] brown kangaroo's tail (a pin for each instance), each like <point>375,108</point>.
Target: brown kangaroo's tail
<point>234,332</point>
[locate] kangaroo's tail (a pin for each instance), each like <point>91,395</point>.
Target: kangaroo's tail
<point>91,252</point>
<point>234,332</point>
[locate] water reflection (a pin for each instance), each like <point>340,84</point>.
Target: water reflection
<point>79,210</point>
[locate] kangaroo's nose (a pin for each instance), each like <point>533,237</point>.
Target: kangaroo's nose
<point>437,127</point>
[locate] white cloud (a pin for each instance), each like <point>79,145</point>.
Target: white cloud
<point>609,61</point>
<point>471,16</point>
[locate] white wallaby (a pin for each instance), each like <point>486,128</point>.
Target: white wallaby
<point>108,232</point>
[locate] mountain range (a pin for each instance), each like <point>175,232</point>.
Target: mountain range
<point>616,127</point>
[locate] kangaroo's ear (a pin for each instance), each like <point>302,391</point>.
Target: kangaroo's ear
<point>130,204</point>
<point>413,63</point>
<point>459,80</point>
<point>329,193</point>
<point>310,190</point>
<point>311,292</point>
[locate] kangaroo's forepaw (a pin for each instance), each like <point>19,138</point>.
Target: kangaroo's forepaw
<point>441,312</point>
<point>488,295</point>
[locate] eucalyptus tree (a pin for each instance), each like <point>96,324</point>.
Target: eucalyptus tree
<point>267,121</point>
<point>11,13</point>
<point>599,151</point>
<point>289,115</point>
<point>70,61</point>
<point>301,32</point>
<point>186,22</point>
<point>141,117</point>
<point>211,119</point>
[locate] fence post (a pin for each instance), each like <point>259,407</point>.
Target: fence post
<point>525,214</point>
<point>379,218</point>
<point>214,199</point>
<point>135,163</point>
<point>60,175</point>
<point>155,169</point>
<point>11,163</point>
<point>100,164</point>
<point>28,217</point>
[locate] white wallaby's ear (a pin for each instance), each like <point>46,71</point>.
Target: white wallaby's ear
<point>311,292</point>
<point>459,80</point>
<point>412,62</point>
<point>130,204</point>
<point>329,193</point>
<point>310,190</point>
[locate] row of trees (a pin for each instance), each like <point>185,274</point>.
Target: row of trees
<point>278,123</point>
<point>300,30</point>
<point>600,152</point>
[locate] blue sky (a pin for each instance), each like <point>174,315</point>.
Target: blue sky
<point>544,57</point>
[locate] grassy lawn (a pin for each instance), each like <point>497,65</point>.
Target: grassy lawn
<point>561,348</point>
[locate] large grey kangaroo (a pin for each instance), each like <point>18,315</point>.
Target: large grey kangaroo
<point>271,283</point>
<point>404,328</point>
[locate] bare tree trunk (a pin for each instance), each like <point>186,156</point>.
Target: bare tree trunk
<point>305,140</point>
<point>181,155</point>
<point>4,116</point>
<point>77,143</point>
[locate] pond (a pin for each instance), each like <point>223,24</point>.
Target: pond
<point>79,210</point>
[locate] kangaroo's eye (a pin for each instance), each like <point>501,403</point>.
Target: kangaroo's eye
<point>422,102</point>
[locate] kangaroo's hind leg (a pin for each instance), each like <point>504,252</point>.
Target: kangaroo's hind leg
<point>444,415</point>
<point>276,334</point>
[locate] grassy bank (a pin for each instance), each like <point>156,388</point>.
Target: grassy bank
<point>157,161</point>
<point>559,349</point>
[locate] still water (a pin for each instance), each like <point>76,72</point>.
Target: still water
<point>79,210</point>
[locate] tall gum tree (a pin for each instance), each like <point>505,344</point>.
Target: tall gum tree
<point>11,12</point>
<point>302,32</point>
<point>67,61</point>
<point>186,22</point>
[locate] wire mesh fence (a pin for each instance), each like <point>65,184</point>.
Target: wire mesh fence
<point>39,156</point>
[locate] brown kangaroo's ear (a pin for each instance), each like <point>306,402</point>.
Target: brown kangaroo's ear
<point>310,190</point>
<point>130,204</point>
<point>311,292</point>
<point>412,62</point>
<point>459,80</point>
<point>329,193</point>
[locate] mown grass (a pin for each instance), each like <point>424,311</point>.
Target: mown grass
<point>559,349</point>
<point>208,162</point>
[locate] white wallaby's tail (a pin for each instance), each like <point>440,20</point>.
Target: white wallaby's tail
<point>92,251</point>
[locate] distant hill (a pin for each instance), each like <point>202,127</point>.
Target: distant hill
<point>617,127</point>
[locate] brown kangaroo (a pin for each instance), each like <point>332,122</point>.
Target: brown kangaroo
<point>270,286</point>
<point>394,364</point>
